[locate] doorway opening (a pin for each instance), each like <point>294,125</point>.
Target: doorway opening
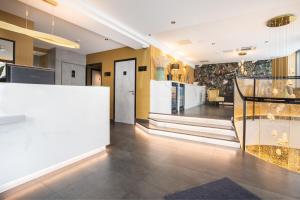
<point>94,74</point>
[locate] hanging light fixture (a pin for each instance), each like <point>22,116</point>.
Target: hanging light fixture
<point>51,2</point>
<point>49,38</point>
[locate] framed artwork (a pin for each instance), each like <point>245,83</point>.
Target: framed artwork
<point>7,50</point>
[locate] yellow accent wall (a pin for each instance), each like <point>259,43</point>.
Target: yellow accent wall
<point>142,56</point>
<point>284,66</point>
<point>24,44</point>
<point>280,67</point>
<point>186,71</point>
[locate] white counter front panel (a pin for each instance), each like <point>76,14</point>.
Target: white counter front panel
<point>161,96</point>
<point>61,123</point>
<point>194,95</point>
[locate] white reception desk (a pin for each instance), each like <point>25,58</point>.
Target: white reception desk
<point>161,96</point>
<point>46,127</point>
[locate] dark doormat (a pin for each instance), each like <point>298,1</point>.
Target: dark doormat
<point>220,189</point>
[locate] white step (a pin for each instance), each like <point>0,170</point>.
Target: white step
<point>209,138</point>
<point>197,127</point>
<point>220,122</point>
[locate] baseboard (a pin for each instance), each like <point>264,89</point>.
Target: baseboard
<point>48,170</point>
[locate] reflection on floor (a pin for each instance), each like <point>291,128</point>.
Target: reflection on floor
<point>288,158</point>
<point>209,111</point>
<point>141,166</point>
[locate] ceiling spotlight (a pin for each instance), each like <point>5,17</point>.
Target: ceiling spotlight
<point>173,22</point>
<point>266,41</point>
<point>149,35</point>
<point>242,53</point>
<point>106,39</point>
<point>213,43</point>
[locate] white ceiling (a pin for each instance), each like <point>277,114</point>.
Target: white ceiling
<point>90,42</point>
<point>230,24</point>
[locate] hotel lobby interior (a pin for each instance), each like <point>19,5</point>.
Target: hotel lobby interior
<point>139,99</point>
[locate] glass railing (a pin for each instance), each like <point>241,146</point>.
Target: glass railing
<point>267,119</point>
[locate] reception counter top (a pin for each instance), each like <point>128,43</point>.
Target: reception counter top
<point>46,127</point>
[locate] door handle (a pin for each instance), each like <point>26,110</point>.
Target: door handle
<point>132,92</point>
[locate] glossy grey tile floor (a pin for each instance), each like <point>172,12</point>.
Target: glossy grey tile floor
<point>140,166</point>
<point>209,111</point>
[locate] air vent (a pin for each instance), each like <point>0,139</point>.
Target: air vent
<point>184,42</point>
<point>203,61</point>
<point>249,48</point>
<point>227,51</point>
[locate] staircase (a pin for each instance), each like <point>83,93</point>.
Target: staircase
<point>206,130</point>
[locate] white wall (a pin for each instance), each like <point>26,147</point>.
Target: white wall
<point>62,123</point>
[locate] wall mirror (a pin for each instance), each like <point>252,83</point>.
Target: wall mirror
<point>7,51</point>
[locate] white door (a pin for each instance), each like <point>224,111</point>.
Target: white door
<point>125,92</point>
<point>96,77</point>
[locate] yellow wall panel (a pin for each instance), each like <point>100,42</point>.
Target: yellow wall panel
<point>142,56</point>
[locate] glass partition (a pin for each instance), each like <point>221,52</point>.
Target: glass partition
<point>267,121</point>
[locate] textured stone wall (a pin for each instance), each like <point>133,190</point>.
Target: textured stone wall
<point>221,75</point>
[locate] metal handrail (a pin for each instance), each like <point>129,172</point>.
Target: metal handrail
<point>268,99</point>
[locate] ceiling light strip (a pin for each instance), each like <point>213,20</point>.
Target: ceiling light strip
<point>85,8</point>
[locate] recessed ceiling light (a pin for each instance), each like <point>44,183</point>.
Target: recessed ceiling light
<point>242,53</point>
<point>149,35</point>
<point>266,41</point>
<point>173,22</point>
<point>181,53</point>
<point>213,43</point>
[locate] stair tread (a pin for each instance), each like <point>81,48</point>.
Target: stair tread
<point>207,125</point>
<point>146,124</point>
<point>211,117</point>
